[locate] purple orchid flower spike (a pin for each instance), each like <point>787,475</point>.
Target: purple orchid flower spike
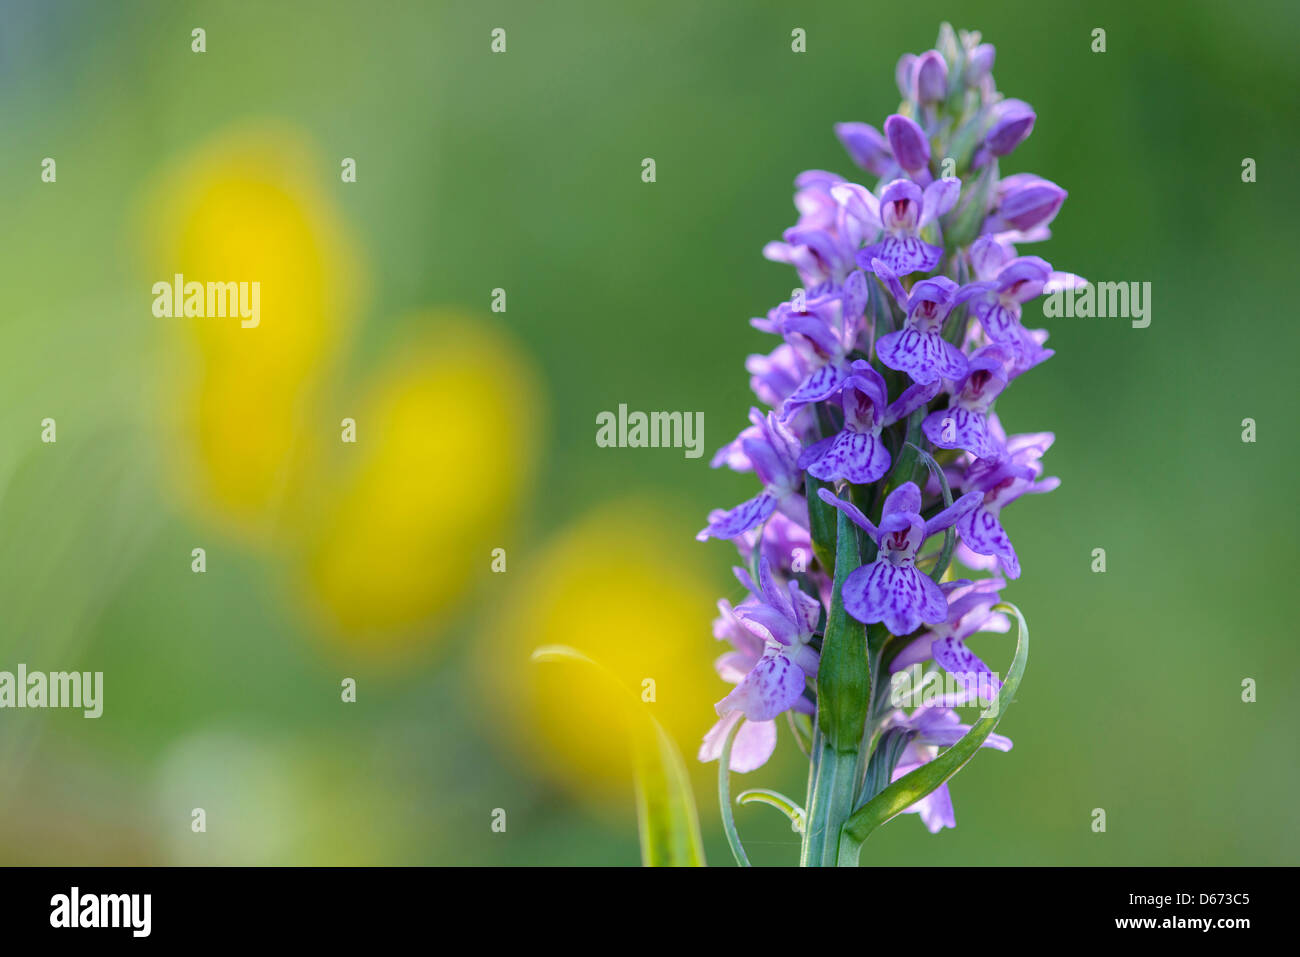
<point>935,728</point>
<point>772,452</point>
<point>970,610</point>
<point>1002,480</point>
<point>964,424</point>
<point>832,424</point>
<point>891,589</point>
<point>919,348</point>
<point>903,210</point>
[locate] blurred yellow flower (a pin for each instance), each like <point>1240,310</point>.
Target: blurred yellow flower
<point>619,588</point>
<point>246,208</point>
<point>446,443</point>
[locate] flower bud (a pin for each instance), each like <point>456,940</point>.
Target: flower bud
<point>1014,123</point>
<point>981,63</point>
<point>1027,201</point>
<point>911,148</point>
<point>930,77</point>
<point>865,146</point>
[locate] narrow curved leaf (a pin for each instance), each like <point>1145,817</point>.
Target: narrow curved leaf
<point>665,804</point>
<point>777,800</point>
<point>914,785</point>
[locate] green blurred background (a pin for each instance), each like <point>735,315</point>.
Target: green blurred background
<point>522,171</point>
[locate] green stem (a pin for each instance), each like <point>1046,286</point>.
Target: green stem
<point>843,690</point>
<point>724,798</point>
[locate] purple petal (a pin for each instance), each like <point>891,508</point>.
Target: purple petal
<point>819,386</point>
<point>740,519</point>
<point>940,196</point>
<point>898,595</point>
<point>930,77</point>
<point>925,356</point>
<point>905,498</point>
<point>959,428</point>
<point>983,534</point>
<point>908,141</point>
<point>753,744</point>
<point>902,254</point>
<point>974,675</point>
<point>913,397</point>
<point>859,457</point>
<point>773,686</point>
<point>865,146</point>
<point>1015,121</point>
<point>849,509</point>
<point>949,516</point>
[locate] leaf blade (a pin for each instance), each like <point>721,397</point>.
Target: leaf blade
<point>667,822</point>
<point>911,787</point>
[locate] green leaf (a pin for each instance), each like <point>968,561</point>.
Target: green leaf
<point>777,800</point>
<point>843,688</point>
<point>821,520</point>
<point>915,785</point>
<point>665,804</point>
<point>724,798</point>
<point>843,676</point>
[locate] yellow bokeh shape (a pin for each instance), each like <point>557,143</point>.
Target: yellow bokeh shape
<point>618,588</point>
<point>446,442</point>
<point>243,208</point>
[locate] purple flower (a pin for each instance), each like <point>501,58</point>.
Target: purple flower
<point>775,376</point>
<point>856,453</point>
<point>902,211</point>
<point>1001,480</point>
<point>772,452</point>
<point>930,77</point>
<point>1025,203</point>
<point>1013,121</point>
<point>935,728</point>
<point>909,145</point>
<point>822,243</point>
<point>980,64</point>
<point>830,330</point>
<point>970,610</point>
<point>866,147</point>
<point>779,541</point>
<point>770,663</point>
<point>812,198</point>
<point>891,589</point>
<point>783,620</point>
<point>996,302</point>
<point>756,740</point>
<point>919,348</point>
<point>964,423</point>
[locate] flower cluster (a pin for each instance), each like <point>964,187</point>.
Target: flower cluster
<point>906,329</point>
